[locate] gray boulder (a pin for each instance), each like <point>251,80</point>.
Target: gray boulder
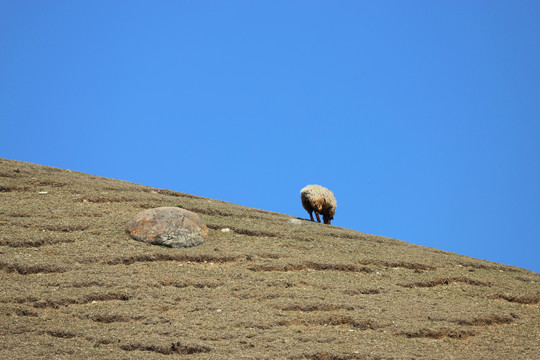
<point>168,226</point>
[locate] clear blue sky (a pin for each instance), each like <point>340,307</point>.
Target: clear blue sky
<point>423,117</point>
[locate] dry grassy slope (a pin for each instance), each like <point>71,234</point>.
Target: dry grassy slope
<point>74,285</point>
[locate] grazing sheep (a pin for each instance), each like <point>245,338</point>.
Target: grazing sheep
<point>319,199</point>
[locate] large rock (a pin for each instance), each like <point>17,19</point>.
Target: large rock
<point>168,226</point>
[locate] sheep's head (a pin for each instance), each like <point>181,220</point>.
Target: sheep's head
<point>329,216</point>
<point>318,205</point>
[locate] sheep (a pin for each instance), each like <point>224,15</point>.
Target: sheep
<point>319,199</point>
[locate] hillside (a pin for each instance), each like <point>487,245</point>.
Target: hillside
<point>75,286</point>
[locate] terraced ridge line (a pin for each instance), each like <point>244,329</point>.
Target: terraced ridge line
<point>398,264</point>
<point>445,281</point>
<point>311,266</point>
<point>438,334</point>
<point>26,269</point>
<point>175,348</point>
<point>129,260</point>
<point>83,299</point>
<point>520,299</point>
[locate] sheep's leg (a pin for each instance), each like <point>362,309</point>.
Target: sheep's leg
<point>317,215</point>
<point>311,215</point>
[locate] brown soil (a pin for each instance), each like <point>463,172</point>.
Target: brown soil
<point>75,286</point>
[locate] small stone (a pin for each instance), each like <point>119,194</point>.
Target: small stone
<point>43,192</point>
<point>295,221</point>
<point>225,230</point>
<point>168,226</point>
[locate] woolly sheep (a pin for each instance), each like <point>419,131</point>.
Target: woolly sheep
<point>319,199</point>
